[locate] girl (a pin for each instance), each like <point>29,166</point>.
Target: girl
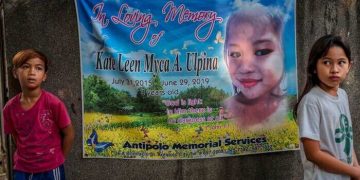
<point>323,114</point>
<point>255,60</point>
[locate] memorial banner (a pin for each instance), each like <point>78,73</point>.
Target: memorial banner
<point>182,79</point>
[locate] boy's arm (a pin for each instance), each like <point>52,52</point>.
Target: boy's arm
<point>13,139</point>
<point>68,139</point>
<point>326,161</point>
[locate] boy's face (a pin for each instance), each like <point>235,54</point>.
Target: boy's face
<point>254,59</point>
<point>332,69</point>
<point>31,74</point>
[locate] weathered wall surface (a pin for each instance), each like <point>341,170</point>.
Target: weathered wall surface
<point>51,26</point>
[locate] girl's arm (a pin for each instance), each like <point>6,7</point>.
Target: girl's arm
<point>326,161</point>
<point>355,160</point>
<point>68,139</point>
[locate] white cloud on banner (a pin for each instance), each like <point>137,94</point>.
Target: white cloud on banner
<point>175,52</point>
<point>164,51</point>
<point>188,43</point>
<point>140,54</point>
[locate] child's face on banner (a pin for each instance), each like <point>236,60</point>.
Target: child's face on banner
<point>254,59</point>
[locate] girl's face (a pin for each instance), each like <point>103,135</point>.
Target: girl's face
<point>254,59</point>
<point>332,69</point>
<point>31,74</point>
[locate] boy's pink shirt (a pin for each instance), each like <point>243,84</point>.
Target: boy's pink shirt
<point>38,131</point>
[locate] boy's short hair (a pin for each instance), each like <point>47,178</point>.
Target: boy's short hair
<point>24,55</point>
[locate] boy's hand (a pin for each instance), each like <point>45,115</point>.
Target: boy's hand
<point>68,139</point>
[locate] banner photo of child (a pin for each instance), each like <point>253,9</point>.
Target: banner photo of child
<point>254,56</point>
<point>185,80</point>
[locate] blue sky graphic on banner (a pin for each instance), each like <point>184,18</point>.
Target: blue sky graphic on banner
<point>162,54</point>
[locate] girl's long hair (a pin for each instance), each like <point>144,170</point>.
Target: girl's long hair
<point>319,50</point>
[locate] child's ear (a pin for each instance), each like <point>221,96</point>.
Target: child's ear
<point>44,78</point>
<point>350,65</point>
<point>14,73</point>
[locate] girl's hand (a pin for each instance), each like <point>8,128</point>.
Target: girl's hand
<point>357,173</point>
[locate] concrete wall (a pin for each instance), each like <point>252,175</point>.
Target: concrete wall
<point>51,26</point>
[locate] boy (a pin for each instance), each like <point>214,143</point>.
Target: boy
<point>38,122</point>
